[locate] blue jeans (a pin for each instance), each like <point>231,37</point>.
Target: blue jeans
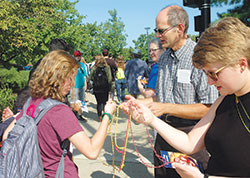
<point>121,85</point>
<point>78,94</point>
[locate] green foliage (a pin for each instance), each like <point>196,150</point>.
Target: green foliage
<point>241,9</point>
<point>142,44</point>
<point>27,27</point>
<point>113,33</point>
<point>6,98</point>
<point>220,2</point>
<point>194,37</point>
<point>13,79</point>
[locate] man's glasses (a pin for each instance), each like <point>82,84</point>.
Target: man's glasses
<point>161,31</point>
<point>214,75</point>
<point>153,50</point>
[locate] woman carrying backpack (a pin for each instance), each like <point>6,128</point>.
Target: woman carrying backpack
<point>101,76</point>
<point>53,79</point>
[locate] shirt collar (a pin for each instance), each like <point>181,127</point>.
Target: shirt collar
<point>179,53</point>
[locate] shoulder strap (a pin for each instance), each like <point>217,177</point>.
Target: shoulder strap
<point>41,110</point>
<point>44,107</point>
<point>26,105</point>
<point>60,169</point>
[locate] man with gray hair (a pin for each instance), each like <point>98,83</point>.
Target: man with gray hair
<point>183,94</point>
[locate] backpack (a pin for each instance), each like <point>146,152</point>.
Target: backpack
<point>100,82</point>
<point>120,74</point>
<point>20,153</point>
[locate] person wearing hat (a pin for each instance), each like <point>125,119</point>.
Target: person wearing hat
<point>77,93</point>
<point>135,68</point>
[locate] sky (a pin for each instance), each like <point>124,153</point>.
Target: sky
<point>136,14</point>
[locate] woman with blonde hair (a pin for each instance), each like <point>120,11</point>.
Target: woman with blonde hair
<point>120,83</point>
<point>53,79</point>
<point>101,76</point>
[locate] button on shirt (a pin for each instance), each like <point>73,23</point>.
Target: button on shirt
<point>179,81</point>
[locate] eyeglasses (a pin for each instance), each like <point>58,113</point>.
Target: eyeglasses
<point>161,31</point>
<point>214,75</point>
<point>153,50</point>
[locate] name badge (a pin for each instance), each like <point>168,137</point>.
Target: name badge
<point>183,76</point>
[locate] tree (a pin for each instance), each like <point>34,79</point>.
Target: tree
<point>27,28</point>
<point>91,40</point>
<point>114,37</point>
<point>241,9</point>
<point>22,25</point>
<point>141,43</point>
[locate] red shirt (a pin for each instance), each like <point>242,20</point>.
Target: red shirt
<point>56,125</point>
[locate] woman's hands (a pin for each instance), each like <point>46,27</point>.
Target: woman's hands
<point>110,107</point>
<point>187,171</point>
<point>139,112</point>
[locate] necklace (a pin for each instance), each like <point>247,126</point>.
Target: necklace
<point>237,101</point>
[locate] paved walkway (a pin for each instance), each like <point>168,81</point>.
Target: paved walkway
<point>102,167</point>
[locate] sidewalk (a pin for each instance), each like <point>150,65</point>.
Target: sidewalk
<point>102,167</point>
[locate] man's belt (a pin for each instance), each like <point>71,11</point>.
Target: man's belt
<point>178,122</point>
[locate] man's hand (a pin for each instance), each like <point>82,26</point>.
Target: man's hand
<point>140,84</point>
<point>157,108</point>
<point>139,112</point>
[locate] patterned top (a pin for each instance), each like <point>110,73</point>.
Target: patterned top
<point>179,81</point>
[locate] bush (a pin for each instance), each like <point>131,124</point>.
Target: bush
<point>13,79</point>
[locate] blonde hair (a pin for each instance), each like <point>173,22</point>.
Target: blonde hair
<point>120,62</point>
<point>99,59</point>
<point>224,42</point>
<point>49,77</point>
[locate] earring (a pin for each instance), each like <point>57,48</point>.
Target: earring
<point>242,69</point>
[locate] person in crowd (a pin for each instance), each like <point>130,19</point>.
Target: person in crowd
<point>120,83</point>
<point>133,69</point>
<point>156,51</point>
<point>77,92</point>
<point>87,78</point>
<point>101,76</point>
<point>7,117</point>
<point>183,94</point>
<point>223,53</point>
<point>113,68</point>
<point>53,78</point>
<point>55,44</point>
